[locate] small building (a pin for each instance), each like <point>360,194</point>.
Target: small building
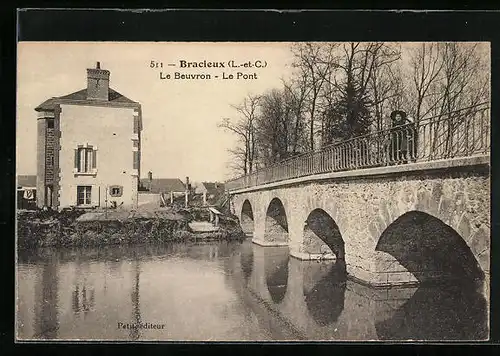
<point>89,147</point>
<point>26,191</point>
<point>162,185</point>
<point>211,191</point>
<point>156,192</point>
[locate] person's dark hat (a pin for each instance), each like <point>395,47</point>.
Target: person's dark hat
<point>396,112</point>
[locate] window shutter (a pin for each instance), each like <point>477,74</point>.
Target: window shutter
<point>136,124</point>
<point>95,195</point>
<point>94,158</point>
<point>76,158</point>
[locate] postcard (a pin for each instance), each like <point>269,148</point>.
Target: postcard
<point>253,191</point>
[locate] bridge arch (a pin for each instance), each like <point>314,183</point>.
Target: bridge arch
<point>276,222</point>
<point>247,218</point>
<point>322,235</point>
<point>429,249</point>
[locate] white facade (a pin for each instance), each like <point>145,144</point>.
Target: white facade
<point>109,131</point>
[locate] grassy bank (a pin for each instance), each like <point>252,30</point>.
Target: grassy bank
<point>51,229</point>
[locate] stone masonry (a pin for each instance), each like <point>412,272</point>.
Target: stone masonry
<point>364,206</point>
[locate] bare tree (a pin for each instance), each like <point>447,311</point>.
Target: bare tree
<point>447,77</point>
<point>426,67</point>
<point>463,85</point>
<point>345,82</point>
<point>399,83</point>
<point>295,92</point>
<point>349,114</point>
<point>238,163</point>
<point>273,127</point>
<point>383,84</point>
<point>244,129</point>
<point>342,90</point>
<point>329,98</point>
<point>315,62</point>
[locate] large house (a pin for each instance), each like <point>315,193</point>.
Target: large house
<point>89,147</point>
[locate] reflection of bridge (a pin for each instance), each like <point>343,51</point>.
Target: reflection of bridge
<point>394,217</point>
<point>309,300</point>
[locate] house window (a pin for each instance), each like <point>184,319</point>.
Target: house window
<point>83,194</point>
<point>116,191</point>
<point>85,159</point>
<point>50,123</point>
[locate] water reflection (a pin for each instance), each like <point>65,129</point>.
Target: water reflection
<point>228,291</point>
<point>246,260</point>
<point>207,251</point>
<point>327,309</point>
<point>450,312</point>
<point>136,309</point>
<point>276,270</point>
<point>82,301</point>
<point>325,300</point>
<point>46,318</point>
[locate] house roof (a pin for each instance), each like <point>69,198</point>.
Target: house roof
<point>81,95</point>
<point>211,187</point>
<point>26,180</point>
<point>164,185</point>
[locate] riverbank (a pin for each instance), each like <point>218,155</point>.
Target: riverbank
<point>72,228</point>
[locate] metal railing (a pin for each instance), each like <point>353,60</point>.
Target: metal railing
<point>460,133</point>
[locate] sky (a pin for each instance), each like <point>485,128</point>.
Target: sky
<point>180,136</point>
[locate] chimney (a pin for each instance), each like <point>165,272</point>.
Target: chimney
<point>98,83</point>
<point>187,183</point>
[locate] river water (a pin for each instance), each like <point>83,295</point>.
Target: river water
<point>225,292</point>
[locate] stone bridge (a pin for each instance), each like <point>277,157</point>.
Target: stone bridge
<point>393,225</point>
